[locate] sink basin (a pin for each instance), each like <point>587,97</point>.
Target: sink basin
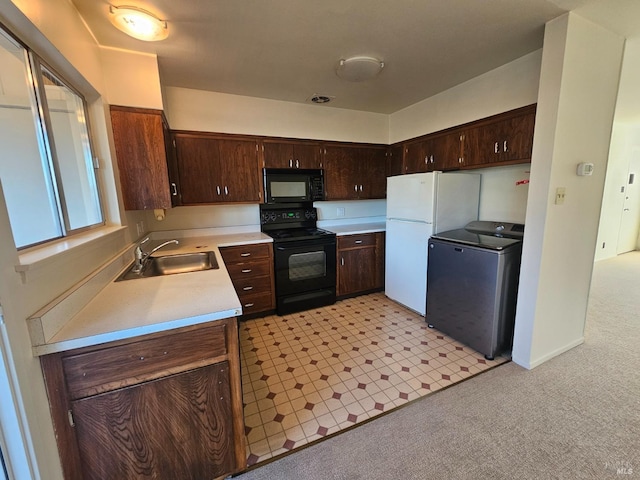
<point>173,264</point>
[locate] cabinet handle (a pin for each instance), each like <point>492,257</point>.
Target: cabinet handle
<point>246,289</point>
<point>248,305</point>
<point>460,160</point>
<point>174,189</point>
<point>290,162</point>
<point>360,187</point>
<point>297,164</point>
<point>246,270</point>
<point>342,261</point>
<point>505,146</point>
<point>226,190</point>
<point>248,254</point>
<point>218,189</point>
<point>355,188</point>
<point>358,242</point>
<point>426,159</point>
<point>431,159</point>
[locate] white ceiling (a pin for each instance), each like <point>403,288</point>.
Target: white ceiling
<point>288,49</point>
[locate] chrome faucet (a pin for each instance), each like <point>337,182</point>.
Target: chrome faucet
<point>142,256</point>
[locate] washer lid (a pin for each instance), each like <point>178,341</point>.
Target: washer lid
<point>465,237</point>
<point>499,229</point>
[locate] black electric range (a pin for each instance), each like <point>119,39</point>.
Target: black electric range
<point>304,256</point>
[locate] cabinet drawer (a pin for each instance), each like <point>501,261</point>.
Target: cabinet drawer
<point>111,368</point>
<point>256,302</point>
<point>249,269</point>
<point>360,240</point>
<point>243,253</point>
<point>252,284</point>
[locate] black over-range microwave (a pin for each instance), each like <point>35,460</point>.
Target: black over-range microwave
<point>282,185</point>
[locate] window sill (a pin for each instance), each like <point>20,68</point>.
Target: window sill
<point>43,256</point>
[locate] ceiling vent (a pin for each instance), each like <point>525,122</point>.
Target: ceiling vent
<point>320,98</point>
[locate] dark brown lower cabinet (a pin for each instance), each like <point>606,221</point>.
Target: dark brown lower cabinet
<point>174,427</point>
<point>360,263</point>
<point>161,406</point>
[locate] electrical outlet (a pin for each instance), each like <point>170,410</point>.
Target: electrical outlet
<point>340,212</point>
<point>560,194</point>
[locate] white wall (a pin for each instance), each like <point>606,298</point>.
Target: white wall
<point>625,141</point>
<point>131,78</point>
<point>578,88</point>
<point>510,86</point>
<point>198,110</point>
<point>501,198</point>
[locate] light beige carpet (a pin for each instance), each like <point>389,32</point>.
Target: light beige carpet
<point>576,416</point>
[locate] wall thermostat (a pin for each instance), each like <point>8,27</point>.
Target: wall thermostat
<point>585,169</point>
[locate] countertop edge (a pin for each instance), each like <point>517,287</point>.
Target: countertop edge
<point>123,334</point>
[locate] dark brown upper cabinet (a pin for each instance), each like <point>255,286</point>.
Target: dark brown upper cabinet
<point>502,139</point>
<point>217,168</point>
<point>505,139</point>
<point>140,137</point>
<point>354,171</point>
<point>279,153</point>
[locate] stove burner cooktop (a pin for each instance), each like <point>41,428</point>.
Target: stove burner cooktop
<point>291,234</point>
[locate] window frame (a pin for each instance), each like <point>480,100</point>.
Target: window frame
<point>34,64</point>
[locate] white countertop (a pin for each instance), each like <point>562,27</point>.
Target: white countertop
<point>356,228</point>
<point>130,308</point>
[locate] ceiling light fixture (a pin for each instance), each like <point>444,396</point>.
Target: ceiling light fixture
<point>138,23</point>
<point>359,69</point>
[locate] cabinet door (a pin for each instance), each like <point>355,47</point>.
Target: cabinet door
<point>306,155</point>
<point>372,173</point>
<point>356,270</point>
<point>241,172</point>
<point>394,161</point>
<point>414,160</point>
<point>291,154</point>
<point>504,140</point>
<point>199,169</point>
<point>518,142</point>
<point>174,427</point>
<point>278,154</point>
<point>138,136</point>
<point>446,151</point>
<point>341,173</point>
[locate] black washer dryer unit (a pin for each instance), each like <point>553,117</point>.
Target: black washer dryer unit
<point>472,284</point>
<point>304,255</point>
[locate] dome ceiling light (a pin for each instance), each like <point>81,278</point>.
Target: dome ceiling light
<point>138,23</point>
<point>359,69</point>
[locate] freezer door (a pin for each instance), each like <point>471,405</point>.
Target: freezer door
<point>411,197</point>
<point>457,200</point>
<point>406,263</point>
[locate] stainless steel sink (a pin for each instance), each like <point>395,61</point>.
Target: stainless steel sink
<point>172,264</point>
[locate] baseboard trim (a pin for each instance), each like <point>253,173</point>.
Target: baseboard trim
<point>540,360</point>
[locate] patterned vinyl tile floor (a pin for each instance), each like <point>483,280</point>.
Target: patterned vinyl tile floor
<point>310,374</point>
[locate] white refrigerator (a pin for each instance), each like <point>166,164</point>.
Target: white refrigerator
<point>419,205</point>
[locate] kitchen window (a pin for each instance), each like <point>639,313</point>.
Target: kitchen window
<point>46,165</point>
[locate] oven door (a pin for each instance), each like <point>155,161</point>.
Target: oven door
<point>305,266</point>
